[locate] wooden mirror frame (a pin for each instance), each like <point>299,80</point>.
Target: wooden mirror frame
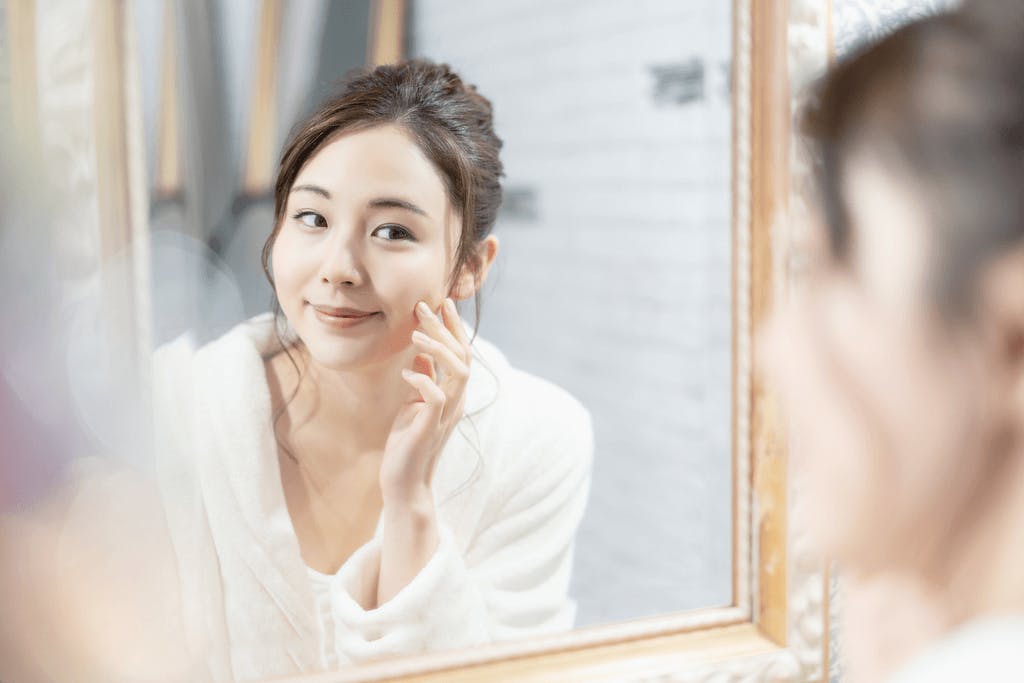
<point>777,627</point>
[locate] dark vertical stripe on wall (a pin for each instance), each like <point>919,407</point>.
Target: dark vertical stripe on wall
<point>408,39</point>
<point>343,48</point>
<point>209,175</point>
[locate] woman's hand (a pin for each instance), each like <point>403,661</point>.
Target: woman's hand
<point>408,524</point>
<point>422,427</point>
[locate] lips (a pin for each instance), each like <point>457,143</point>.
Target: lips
<point>342,312</point>
<point>342,318</point>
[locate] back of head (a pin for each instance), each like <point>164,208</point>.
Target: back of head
<point>940,102</point>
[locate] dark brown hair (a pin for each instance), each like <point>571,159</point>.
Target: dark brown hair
<point>450,121</point>
<point>452,124</point>
<point>941,103</point>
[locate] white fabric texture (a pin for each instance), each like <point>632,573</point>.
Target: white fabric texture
<point>987,649</point>
<point>510,489</point>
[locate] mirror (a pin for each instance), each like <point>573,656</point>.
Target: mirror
<point>616,270</point>
<point>614,279</point>
<point>614,274</point>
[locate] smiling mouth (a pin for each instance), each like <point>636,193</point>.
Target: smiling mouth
<point>342,317</point>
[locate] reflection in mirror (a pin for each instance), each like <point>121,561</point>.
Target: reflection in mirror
<point>612,281</point>
<point>348,475</point>
<point>614,274</point>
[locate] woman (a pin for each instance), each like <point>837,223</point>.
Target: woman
<point>902,362</point>
<point>354,476</point>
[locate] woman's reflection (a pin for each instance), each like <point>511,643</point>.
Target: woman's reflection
<point>357,475</point>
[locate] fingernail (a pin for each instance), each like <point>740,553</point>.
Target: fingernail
<point>418,335</point>
<point>422,307</point>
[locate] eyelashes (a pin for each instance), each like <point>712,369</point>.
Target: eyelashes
<point>311,219</point>
<point>394,232</point>
<point>390,232</point>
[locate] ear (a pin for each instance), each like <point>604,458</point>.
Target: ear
<point>1001,305</point>
<point>1000,312</point>
<point>474,274</point>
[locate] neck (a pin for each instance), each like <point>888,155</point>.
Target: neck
<point>893,615</point>
<point>982,576</point>
<point>352,410</point>
<point>972,572</point>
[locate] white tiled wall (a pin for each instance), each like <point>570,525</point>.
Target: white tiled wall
<point>619,287</point>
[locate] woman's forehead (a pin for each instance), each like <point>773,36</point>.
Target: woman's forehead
<point>378,161</point>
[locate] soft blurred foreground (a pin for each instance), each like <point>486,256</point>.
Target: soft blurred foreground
<point>87,576</point>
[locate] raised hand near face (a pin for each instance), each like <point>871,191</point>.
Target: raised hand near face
<point>422,427</point>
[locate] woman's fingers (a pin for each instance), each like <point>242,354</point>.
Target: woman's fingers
<point>445,344</point>
<point>453,322</point>
<point>453,366</point>
<point>436,329</point>
<point>424,363</point>
<point>432,396</point>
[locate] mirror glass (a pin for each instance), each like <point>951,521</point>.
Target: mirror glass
<point>613,279</point>
<point>615,271</point>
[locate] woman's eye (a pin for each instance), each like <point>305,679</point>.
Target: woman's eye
<point>392,232</point>
<point>311,219</point>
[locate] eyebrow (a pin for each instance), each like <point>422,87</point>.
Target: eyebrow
<point>393,203</point>
<point>378,203</point>
<point>315,189</point>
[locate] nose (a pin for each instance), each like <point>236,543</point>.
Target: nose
<point>341,265</point>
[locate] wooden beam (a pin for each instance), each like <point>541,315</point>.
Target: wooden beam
<point>261,146</point>
<point>21,52</point>
<point>387,32</point>
<point>167,182</point>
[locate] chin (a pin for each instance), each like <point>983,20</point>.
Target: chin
<point>339,356</point>
<point>349,354</point>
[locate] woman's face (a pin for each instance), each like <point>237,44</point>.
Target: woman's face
<point>882,396</point>
<point>368,231</point>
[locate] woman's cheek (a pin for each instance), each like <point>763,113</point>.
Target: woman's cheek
<point>409,281</point>
<point>282,268</point>
<point>831,453</point>
<point>833,458</point>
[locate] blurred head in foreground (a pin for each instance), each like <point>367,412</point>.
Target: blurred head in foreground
<point>901,360</point>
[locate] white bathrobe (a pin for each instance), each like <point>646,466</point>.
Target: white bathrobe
<point>510,489</point>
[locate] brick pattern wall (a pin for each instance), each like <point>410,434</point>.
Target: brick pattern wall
<point>614,274</point>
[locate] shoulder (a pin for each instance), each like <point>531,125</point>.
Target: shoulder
<point>547,408</point>
<point>172,367</point>
<point>988,649</point>
<point>533,415</point>
<point>190,379</point>
<point>251,338</point>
